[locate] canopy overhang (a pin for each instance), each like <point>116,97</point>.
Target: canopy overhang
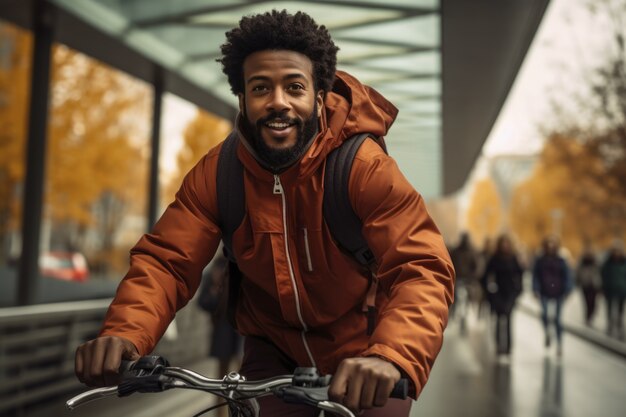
<point>448,66</point>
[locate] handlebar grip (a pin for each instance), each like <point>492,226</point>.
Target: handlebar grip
<point>126,366</point>
<point>400,390</point>
<point>143,365</point>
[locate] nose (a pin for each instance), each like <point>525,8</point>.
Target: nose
<point>278,101</point>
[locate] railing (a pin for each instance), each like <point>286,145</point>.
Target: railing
<point>37,345</point>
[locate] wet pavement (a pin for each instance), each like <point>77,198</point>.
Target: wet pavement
<point>467,380</point>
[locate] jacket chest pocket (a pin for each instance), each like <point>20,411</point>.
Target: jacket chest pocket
<point>305,248</point>
<point>311,252</point>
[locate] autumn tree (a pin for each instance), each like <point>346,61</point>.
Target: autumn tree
<point>568,194</point>
<point>608,90</point>
<point>14,90</point>
<point>484,215</point>
<point>96,161</point>
<point>578,188</point>
<point>202,133</point>
<point>97,145</point>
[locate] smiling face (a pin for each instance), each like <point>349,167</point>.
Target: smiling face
<point>280,103</point>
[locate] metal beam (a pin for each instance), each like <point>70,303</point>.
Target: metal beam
<point>384,55</point>
<point>183,16</point>
<point>483,46</point>
<point>43,31</point>
<point>346,26</point>
<point>153,187</point>
<point>379,6</point>
<point>403,76</point>
<point>379,42</point>
<point>192,58</point>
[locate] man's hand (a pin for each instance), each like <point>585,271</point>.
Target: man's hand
<point>363,383</point>
<point>97,362</point>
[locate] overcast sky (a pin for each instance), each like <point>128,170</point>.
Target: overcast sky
<point>177,113</point>
<point>569,44</point>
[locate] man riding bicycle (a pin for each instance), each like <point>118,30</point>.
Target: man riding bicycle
<point>301,298</point>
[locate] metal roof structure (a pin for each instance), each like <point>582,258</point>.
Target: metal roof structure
<point>447,65</point>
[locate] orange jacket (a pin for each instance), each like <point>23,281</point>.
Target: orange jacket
<point>300,291</point>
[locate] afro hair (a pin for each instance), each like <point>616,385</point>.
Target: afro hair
<point>279,31</point>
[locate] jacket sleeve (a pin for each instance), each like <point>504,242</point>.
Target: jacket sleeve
<point>485,276</point>
<point>518,277</point>
<point>569,279</point>
<point>414,267</point>
<point>536,272</point>
<point>166,264</point>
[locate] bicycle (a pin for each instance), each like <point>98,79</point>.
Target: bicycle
<point>154,374</point>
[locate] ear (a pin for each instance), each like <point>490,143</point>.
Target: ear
<point>319,98</point>
<point>242,103</point>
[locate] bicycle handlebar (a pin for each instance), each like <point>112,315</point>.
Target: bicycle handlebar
<point>153,374</point>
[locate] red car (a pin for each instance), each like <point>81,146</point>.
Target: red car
<point>68,266</point>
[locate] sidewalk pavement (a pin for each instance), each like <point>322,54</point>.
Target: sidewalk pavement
<point>574,321</point>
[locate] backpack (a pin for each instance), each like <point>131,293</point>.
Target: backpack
<point>211,294</point>
<point>344,225</point>
<point>552,276</point>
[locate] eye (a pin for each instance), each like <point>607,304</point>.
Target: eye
<point>259,88</point>
<point>295,87</point>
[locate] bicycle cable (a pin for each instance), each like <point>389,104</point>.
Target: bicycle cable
<point>213,407</point>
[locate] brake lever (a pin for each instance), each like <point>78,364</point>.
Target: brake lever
<point>89,396</point>
<point>315,397</point>
<point>335,408</point>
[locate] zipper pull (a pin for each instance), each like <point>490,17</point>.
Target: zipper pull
<point>278,187</point>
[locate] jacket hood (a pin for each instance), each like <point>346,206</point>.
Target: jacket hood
<point>350,108</point>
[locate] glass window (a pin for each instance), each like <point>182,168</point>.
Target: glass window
<point>15,63</point>
<point>188,132</point>
<point>96,180</point>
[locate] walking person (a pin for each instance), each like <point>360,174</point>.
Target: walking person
<point>552,282</point>
<point>465,261</point>
<point>590,283</point>
<point>614,289</point>
<point>503,279</point>
<point>224,341</point>
<point>484,302</point>
<point>302,300</point>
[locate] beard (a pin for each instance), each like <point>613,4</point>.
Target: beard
<point>281,158</point>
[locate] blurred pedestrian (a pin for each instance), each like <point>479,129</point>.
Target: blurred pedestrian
<point>465,261</point>
<point>589,281</point>
<point>502,280</point>
<point>614,289</point>
<point>225,343</point>
<point>552,282</point>
<point>484,305</point>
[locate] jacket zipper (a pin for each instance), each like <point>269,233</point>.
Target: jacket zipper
<point>278,189</point>
<point>307,250</point>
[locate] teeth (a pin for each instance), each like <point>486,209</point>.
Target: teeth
<point>278,125</point>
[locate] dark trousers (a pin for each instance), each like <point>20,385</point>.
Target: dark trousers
<point>615,314</point>
<point>545,304</point>
<point>262,359</point>
<point>503,333</point>
<point>590,294</point>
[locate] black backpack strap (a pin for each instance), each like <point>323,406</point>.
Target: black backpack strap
<point>232,209</point>
<point>342,221</point>
<point>344,224</point>
<point>230,192</point>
